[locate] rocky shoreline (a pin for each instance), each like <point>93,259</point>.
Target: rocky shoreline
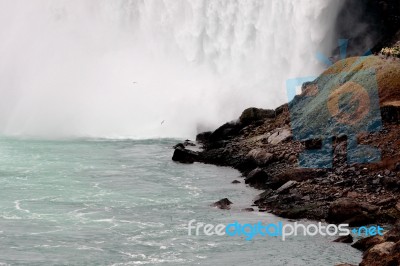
<point>261,145</point>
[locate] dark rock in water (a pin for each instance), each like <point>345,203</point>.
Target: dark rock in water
<point>183,155</point>
<point>203,137</point>
<point>344,239</point>
<point>259,156</point>
<point>248,209</point>
<point>223,204</point>
<point>258,177</point>
<point>365,243</point>
<point>235,182</point>
<point>252,114</point>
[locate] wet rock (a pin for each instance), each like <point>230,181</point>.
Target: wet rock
<point>223,204</point>
<point>252,114</point>
<point>259,156</point>
<point>248,209</point>
<point>344,239</point>
<point>183,155</point>
<point>235,182</point>
<point>258,177</point>
<point>368,242</point>
<point>279,136</point>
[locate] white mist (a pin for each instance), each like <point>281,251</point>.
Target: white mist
<point>119,68</point>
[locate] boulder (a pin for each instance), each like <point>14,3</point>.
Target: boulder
<point>183,155</point>
<point>288,185</point>
<point>258,177</point>
<point>203,137</point>
<point>248,210</point>
<point>225,132</point>
<point>252,114</point>
<point>368,242</point>
<point>235,182</point>
<point>223,204</point>
<point>382,253</point>
<point>280,135</point>
<point>347,210</point>
<point>260,156</point>
<point>343,209</point>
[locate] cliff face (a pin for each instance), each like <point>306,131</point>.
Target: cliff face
<point>369,24</point>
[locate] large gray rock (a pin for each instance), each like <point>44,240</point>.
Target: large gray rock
<point>183,155</point>
<point>288,185</point>
<point>252,114</point>
<point>223,204</point>
<point>260,156</point>
<point>258,177</point>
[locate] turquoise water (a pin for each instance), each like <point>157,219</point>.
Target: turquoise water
<point>101,202</point>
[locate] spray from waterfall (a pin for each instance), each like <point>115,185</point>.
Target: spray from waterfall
<point>151,68</point>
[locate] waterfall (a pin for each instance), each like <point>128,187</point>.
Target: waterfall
<point>151,68</point>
